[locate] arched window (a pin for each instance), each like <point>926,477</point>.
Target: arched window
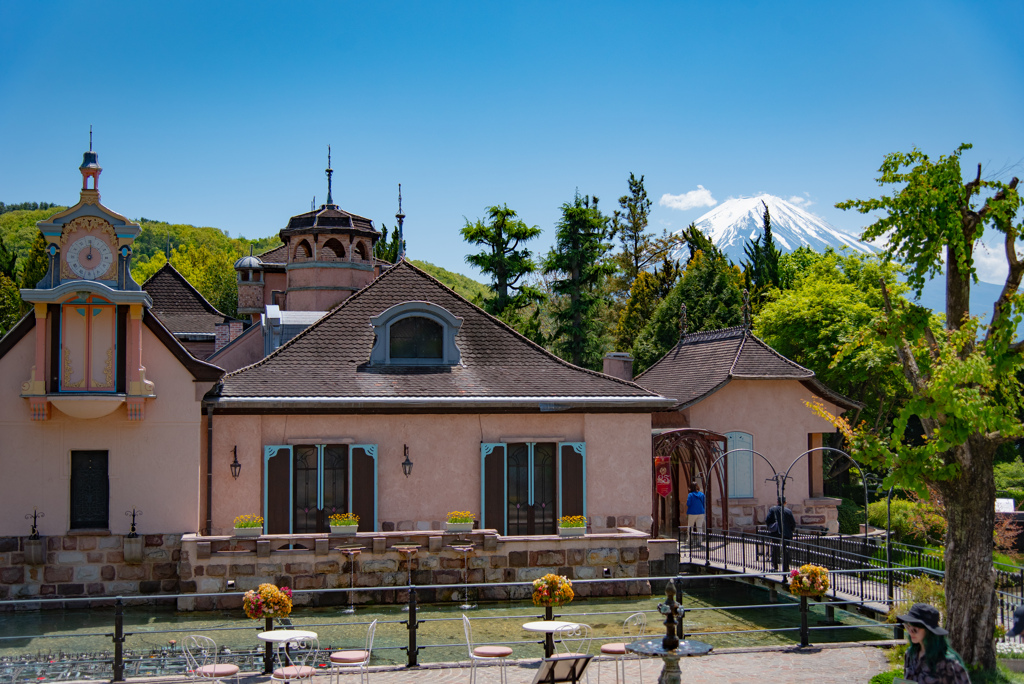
<point>333,249</point>
<point>360,250</point>
<point>303,251</point>
<point>416,337</point>
<point>245,276</point>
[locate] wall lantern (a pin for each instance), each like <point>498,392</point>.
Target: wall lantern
<point>236,467</point>
<point>407,464</point>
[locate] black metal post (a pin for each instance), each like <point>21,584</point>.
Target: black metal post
<point>412,625</point>
<point>268,650</point>
<point>118,674</point>
<point>707,543</point>
<point>805,638</point>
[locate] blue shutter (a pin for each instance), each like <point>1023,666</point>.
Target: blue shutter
<point>740,465</point>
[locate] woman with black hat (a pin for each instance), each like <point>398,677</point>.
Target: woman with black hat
<point>929,659</point>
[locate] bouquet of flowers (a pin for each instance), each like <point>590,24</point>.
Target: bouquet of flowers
<point>809,580</point>
<point>268,601</point>
<point>552,590</point>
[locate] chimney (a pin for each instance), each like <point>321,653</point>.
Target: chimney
<point>222,335</point>
<point>619,365</point>
<point>235,329</point>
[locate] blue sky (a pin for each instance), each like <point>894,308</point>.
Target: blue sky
<point>219,113</point>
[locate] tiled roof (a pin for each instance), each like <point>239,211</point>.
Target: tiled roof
<point>179,306</point>
<point>703,362</point>
<point>330,359</point>
<point>278,255</point>
<point>329,217</point>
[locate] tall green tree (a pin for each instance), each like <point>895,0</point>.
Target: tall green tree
<point>963,379</point>
<point>711,288</point>
<point>761,269</point>
<point>36,265</point>
<point>639,248</point>
<point>582,239</point>
<point>666,276</point>
<point>8,261</point>
<point>643,300</point>
<point>503,259</point>
<point>385,249</point>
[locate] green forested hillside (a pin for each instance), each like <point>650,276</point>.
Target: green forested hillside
<point>465,286</point>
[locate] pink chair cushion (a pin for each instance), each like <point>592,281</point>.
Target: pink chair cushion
<point>294,672</point>
<point>492,651</point>
<point>349,656</point>
<point>223,670</point>
<point>614,649</point>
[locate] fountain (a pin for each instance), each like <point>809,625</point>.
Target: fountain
<point>465,548</point>
<point>351,552</point>
<point>407,550</point>
<point>670,649</point>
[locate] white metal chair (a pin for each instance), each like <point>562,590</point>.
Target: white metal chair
<point>201,660</point>
<point>575,640</point>
<point>298,660</point>
<point>633,628</point>
<point>357,660</point>
<point>499,653</point>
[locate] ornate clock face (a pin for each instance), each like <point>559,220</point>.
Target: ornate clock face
<point>89,257</point>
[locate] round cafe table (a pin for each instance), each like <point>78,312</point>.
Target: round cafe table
<point>283,636</point>
<point>549,627</point>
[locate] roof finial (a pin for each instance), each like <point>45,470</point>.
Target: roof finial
<point>682,321</point>
<point>90,137</point>
<point>746,309</point>
<point>400,217</point>
<point>330,172</point>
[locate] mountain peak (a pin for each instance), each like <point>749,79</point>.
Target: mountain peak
<point>735,221</point>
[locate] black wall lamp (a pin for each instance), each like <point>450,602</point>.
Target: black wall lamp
<point>236,467</point>
<point>407,464</point>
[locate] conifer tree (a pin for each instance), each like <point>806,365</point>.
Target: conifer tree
<point>387,250</point>
<point>761,270</point>
<point>503,259</point>
<point>639,248</point>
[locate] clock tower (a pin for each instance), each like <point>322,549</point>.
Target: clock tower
<point>88,312</point>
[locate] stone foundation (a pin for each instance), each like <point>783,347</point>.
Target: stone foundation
<point>89,565</point>
<point>212,565</point>
<point>746,514</point>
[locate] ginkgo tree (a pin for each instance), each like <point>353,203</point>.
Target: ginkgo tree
<point>962,376</point>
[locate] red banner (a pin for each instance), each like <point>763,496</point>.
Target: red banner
<point>662,475</point>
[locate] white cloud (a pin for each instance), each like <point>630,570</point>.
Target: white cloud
<point>701,197</point>
<point>801,201</point>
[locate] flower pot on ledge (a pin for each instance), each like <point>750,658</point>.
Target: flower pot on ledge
<point>572,531</point>
<point>35,552</point>
<point>133,549</point>
<point>248,531</point>
<point>345,530</point>
<point>458,528</point>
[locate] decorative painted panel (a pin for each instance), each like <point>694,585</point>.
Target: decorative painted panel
<point>88,346</point>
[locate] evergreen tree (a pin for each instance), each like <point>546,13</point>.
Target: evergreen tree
<point>387,250</point>
<point>8,260</point>
<point>665,277</point>
<point>10,304</point>
<point>503,259</point>
<point>37,264</point>
<point>640,248</point>
<point>643,299</point>
<point>582,239</point>
<point>761,270</point>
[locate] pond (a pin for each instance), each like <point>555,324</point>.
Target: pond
<point>75,643</point>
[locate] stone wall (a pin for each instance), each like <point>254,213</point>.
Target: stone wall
<point>213,565</point>
<point>89,565</point>
<point>747,514</point>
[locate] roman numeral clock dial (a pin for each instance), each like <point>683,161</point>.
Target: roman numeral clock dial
<point>89,257</point>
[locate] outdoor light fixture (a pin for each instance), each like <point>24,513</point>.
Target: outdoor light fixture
<point>407,464</point>
<point>236,467</point>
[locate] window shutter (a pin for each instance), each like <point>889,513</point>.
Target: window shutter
<point>363,485</point>
<point>740,465</point>
<point>492,486</point>
<point>572,477</point>
<point>277,489</point>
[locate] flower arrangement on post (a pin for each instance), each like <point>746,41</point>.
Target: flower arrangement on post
<point>344,523</point>
<point>248,525</point>
<point>809,580</point>
<point>267,602</point>
<point>552,590</point>
<point>572,526</point>
<point>460,521</point>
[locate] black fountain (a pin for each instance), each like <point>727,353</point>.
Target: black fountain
<point>670,649</point>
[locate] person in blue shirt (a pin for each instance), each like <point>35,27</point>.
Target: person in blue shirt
<point>694,509</point>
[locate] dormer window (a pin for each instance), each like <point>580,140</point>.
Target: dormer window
<point>415,334</point>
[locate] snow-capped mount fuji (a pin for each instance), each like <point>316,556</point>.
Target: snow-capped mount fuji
<point>734,222</point>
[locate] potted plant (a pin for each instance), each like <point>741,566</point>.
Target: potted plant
<point>572,526</point>
<point>248,526</point>
<point>810,581</point>
<point>459,521</point>
<point>344,523</point>
<point>550,591</point>
<point>267,602</point>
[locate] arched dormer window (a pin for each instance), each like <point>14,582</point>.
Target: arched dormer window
<point>303,251</point>
<point>333,249</point>
<point>415,334</point>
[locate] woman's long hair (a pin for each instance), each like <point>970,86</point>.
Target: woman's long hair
<point>937,649</point>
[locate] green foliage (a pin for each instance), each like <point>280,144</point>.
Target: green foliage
<point>10,304</point>
<point>467,287</point>
<point>761,270</point>
<point>919,590</point>
<point>643,300</point>
<point>826,322</point>
<point>639,248</point>
<point>913,522</point>
<point>26,206</point>
<point>36,265</point>
<point>1010,475</point>
<point>503,259</point>
<point>887,677</point>
<point>710,288</point>
<point>851,517</point>
<point>577,262</point>
<point>18,229</point>
<point>666,276</point>
<point>8,261</point>
<point>387,250</point>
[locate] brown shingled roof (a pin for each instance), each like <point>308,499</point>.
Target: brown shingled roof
<point>329,360</point>
<point>278,255</point>
<point>329,217</point>
<point>702,363</point>
<point>179,306</point>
